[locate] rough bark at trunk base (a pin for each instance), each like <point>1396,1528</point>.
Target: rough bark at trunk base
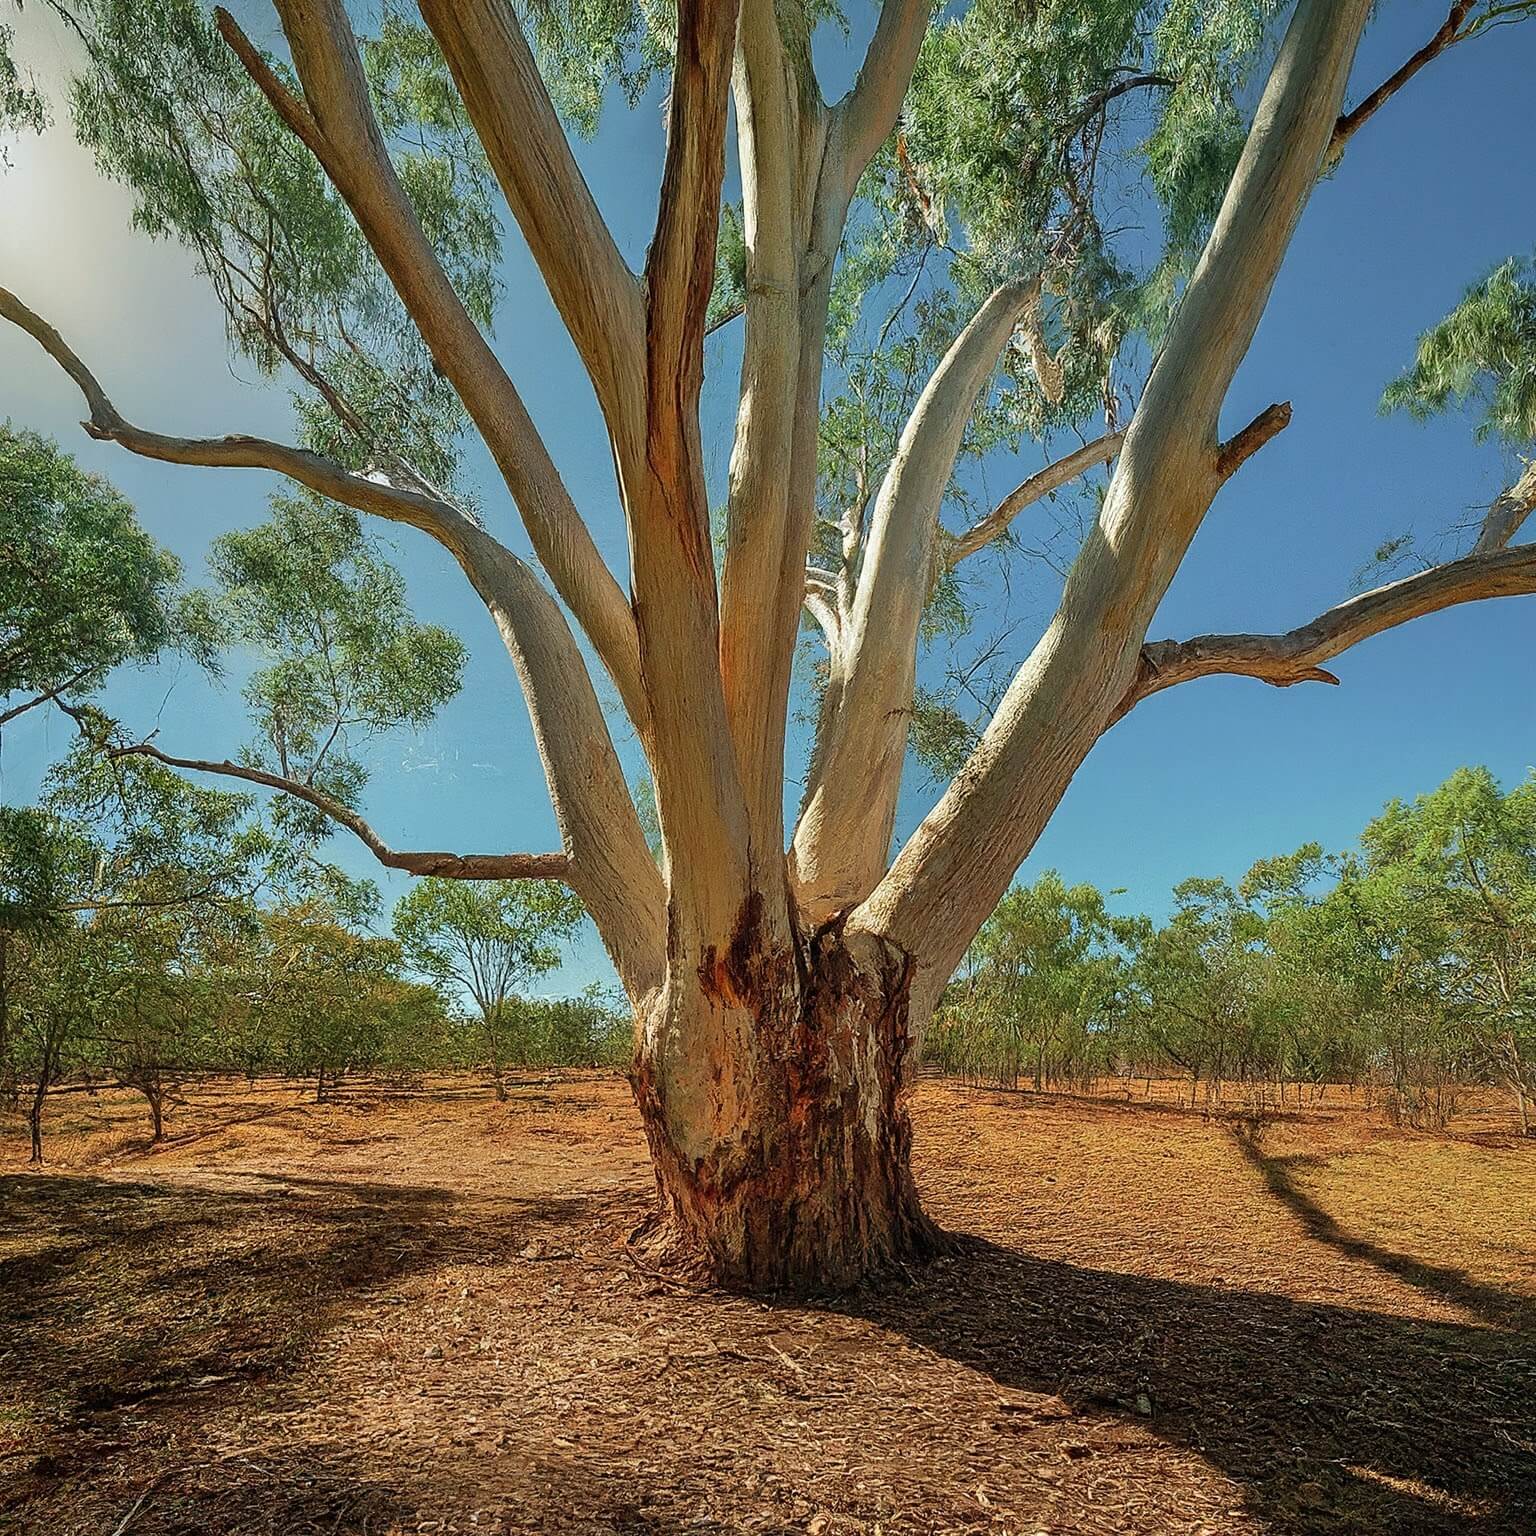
<point>785,1166</point>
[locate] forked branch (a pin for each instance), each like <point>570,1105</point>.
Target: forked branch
<point>867,114</point>
<point>1066,469</point>
<point>1508,513</point>
<point>1297,656</point>
<point>959,861</point>
<point>612,869</point>
<point>288,106</point>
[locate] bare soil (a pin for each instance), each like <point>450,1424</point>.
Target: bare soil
<point>412,1311</point>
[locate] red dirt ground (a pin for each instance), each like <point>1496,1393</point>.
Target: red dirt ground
<point>411,1312</point>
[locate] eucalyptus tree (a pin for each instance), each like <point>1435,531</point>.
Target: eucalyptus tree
<point>331,999</point>
<point>487,939</point>
<point>1458,866</point>
<point>121,894</point>
<point>38,858</point>
<point>1312,1000</point>
<point>343,197</point>
<point>1045,978</point>
<point>1200,976</point>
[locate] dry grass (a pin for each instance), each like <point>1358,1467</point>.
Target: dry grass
<point>411,1312</point>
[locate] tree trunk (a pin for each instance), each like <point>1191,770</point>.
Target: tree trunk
<point>35,1116</point>
<point>493,1045</point>
<point>1517,1082</point>
<point>775,1103</point>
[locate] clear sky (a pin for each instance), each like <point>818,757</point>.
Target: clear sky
<point>1203,779</point>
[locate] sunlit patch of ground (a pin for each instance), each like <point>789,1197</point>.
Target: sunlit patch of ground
<point>411,1311</point>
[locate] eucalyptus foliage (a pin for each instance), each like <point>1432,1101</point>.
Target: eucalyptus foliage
<point>1406,964</point>
<point>168,111</point>
<point>344,661</point>
<point>1481,357</point>
<point>83,588</point>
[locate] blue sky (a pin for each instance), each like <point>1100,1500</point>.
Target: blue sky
<point>1203,779</point>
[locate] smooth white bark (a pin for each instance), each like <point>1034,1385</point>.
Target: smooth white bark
<point>844,834</point>
<point>960,860</point>
<point>336,120</point>
<point>598,297</point>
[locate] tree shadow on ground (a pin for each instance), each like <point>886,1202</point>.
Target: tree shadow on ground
<point>1492,1305</point>
<point>127,1302</point>
<point>1330,1418</point>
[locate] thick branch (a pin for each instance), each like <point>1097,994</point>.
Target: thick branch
<point>611,865</point>
<point>449,866</point>
<point>867,114</point>
<point>959,861</point>
<point>1297,656</point>
<point>337,122</point>
<point>702,809</point>
<point>1349,123</point>
<point>680,266</point>
<point>598,297</point>
<point>781,132</point>
<point>844,833</point>
<point>1066,469</point>
<point>367,493</point>
<point>1508,513</point>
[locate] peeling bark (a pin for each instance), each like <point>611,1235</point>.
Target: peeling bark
<point>783,1149</point>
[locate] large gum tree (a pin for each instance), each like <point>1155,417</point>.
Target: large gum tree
<point>917,275</point>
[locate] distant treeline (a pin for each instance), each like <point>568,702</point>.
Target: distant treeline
<point>1405,965</point>
<point>153,931</point>
<point>131,998</point>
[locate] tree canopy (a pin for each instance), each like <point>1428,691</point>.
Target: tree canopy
<point>83,588</point>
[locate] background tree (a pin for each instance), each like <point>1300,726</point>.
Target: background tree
<point>38,858</point>
<point>341,200</point>
<point>1040,986</point>
<point>121,886</point>
<point>589,1030</point>
<point>1199,976</point>
<point>486,940</point>
<point>329,994</point>
<point>1459,868</point>
<point>1404,965</point>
